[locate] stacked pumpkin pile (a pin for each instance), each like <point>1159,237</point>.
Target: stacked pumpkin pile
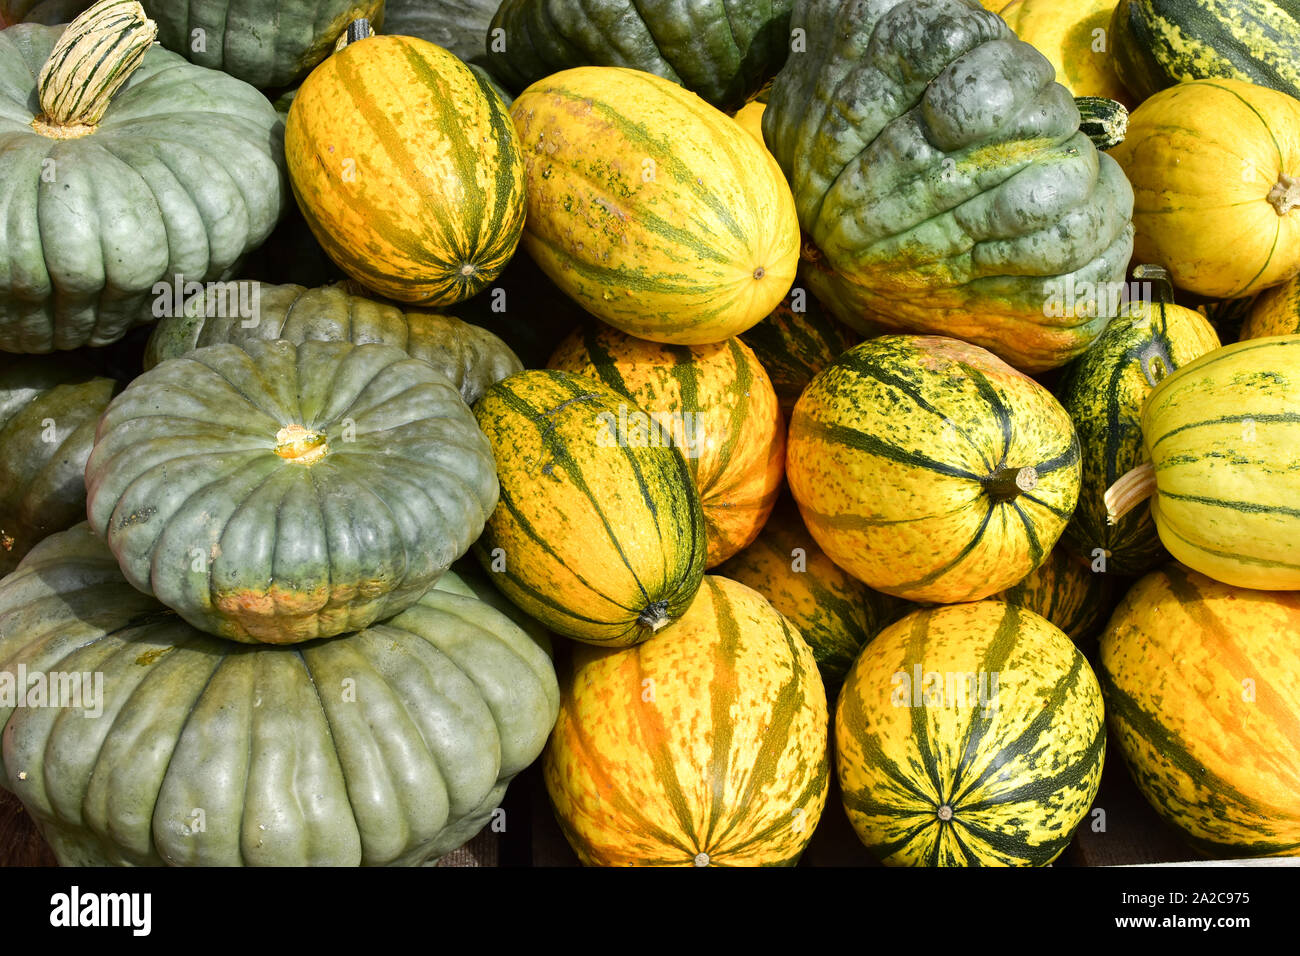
<point>895,283</point>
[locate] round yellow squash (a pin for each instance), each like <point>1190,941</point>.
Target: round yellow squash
<point>704,746</point>
<point>654,211</point>
<point>1215,168</point>
<point>1074,36</point>
<point>1275,312</point>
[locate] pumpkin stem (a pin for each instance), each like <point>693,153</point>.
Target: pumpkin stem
<point>1131,489</point>
<point>300,445</point>
<point>1285,194</point>
<point>358,29</point>
<point>1102,120</point>
<point>1008,482</point>
<point>654,616</point>
<point>93,58</point>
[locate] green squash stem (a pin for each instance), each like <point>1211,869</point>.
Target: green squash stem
<point>92,60</point>
<point>1285,194</point>
<point>1008,482</point>
<point>1130,489</point>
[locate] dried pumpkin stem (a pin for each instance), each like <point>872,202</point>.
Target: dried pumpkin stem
<point>654,616</point>
<point>1008,482</point>
<point>92,60</point>
<point>1285,194</point>
<point>1130,490</point>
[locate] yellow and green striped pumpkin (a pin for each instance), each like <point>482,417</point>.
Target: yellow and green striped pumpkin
<point>1065,590</point>
<point>1221,436</point>
<point>836,614</point>
<point>705,746</point>
<point>717,403</point>
<point>600,539</point>
<point>407,168</point>
<point>930,469</point>
<point>969,735</point>
<point>1275,312</point>
<point>1200,680</point>
<point>654,211</point>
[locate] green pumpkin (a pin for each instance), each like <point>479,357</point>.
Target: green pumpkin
<point>181,175</point>
<point>460,26</point>
<point>389,746</point>
<point>40,11</point>
<point>942,182</point>
<point>48,411</point>
<point>723,50</point>
<point>471,357</point>
<point>279,493</point>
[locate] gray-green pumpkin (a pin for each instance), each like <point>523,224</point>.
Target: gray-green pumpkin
<point>182,174</point>
<point>279,493</point>
<point>473,358</point>
<point>388,746</point>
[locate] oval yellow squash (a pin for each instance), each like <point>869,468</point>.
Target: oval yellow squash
<point>1074,36</point>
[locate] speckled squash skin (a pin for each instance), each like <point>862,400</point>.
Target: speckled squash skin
<point>473,358</point>
<point>937,772</point>
<point>942,183</point>
<point>904,457</point>
<point>705,746</point>
<point>1275,312</point>
<point>389,746</point>
<point>279,493</point>
<point>719,406</point>
<point>1200,683</point>
<point>1069,593</point>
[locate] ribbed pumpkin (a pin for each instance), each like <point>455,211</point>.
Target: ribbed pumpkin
<point>39,11</point>
<point>407,168</point>
<point>1275,312</point>
<point>1072,35</point>
<point>834,612</point>
<point>1158,43</point>
<point>930,469</point>
<point>797,341</point>
<point>705,746</point>
<point>969,735</point>
<point>716,403</point>
<point>277,493</point>
<point>679,228</point>
<point>389,746</point>
<point>48,411</point>
<point>1221,435</point>
<point>1215,168</point>
<point>599,535</point>
<point>124,166</point>
<point>458,26</point>
<point>1200,682</point>
<point>471,357</point>
<point>1103,390</point>
<point>941,179</point>
<point>724,50</point>
<point>1065,590</point>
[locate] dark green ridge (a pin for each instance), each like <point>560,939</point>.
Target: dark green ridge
<point>1004,641</point>
<point>913,654</point>
<point>503,132</point>
<point>1040,788</point>
<point>1168,528</point>
<point>1008,845</point>
<point>855,722</point>
<point>1247,507</point>
<point>743,383</point>
<point>1001,414</point>
<point>939,572</point>
<point>1282,418</point>
<point>1031,536</point>
<point>872,445</point>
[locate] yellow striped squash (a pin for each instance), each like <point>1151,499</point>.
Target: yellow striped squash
<point>1072,34</point>
<point>705,746</point>
<point>1275,312</point>
<point>1200,682</point>
<point>750,118</point>
<point>677,227</point>
<point>719,407</point>
<point>930,469</point>
<point>969,735</point>
<point>407,168</point>
<point>1221,436</point>
<point>598,534</point>
<point>1065,590</point>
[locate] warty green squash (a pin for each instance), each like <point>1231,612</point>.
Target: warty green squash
<point>388,746</point>
<point>941,179</point>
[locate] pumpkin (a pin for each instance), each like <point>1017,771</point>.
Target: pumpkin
<point>1065,590</point>
<point>750,118</point>
<point>458,26</point>
<point>407,169</point>
<point>1275,312</point>
<point>1158,43</point>
<point>137,171</point>
<point>1200,684</point>
<point>941,179</point>
<point>705,746</point>
<point>1072,36</point>
<point>49,12</point>
<point>969,735</point>
<point>391,745</point>
<point>48,411</point>
<point>717,405</point>
<point>599,533</point>
<point>1103,121</point>
<point>678,229</point>
<point>1103,391</point>
<point>724,50</point>
<point>931,470</point>
<point>1220,435</point>
<point>834,612</point>
<point>279,493</point>
<point>472,358</point>
<point>795,342</point>
<point>1215,167</point>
